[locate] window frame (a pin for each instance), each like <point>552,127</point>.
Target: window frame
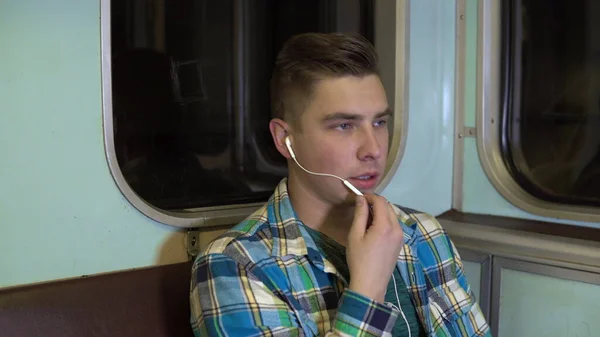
<point>489,116</point>
<point>392,49</point>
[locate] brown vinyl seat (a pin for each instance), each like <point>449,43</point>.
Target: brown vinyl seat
<point>150,302</point>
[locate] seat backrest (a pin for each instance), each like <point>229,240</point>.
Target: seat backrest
<point>150,302</point>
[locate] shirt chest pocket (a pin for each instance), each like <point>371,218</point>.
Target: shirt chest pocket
<point>449,303</point>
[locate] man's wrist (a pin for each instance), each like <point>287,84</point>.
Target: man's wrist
<point>370,292</point>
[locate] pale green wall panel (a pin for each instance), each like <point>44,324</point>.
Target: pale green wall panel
<point>537,305</point>
<point>473,272</point>
<point>424,179</point>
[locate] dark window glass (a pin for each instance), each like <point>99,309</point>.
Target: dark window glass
<point>190,83</point>
<point>551,93</point>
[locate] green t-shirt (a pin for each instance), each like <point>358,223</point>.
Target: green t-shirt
<point>336,254</point>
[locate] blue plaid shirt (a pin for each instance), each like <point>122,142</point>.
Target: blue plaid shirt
<point>266,277</point>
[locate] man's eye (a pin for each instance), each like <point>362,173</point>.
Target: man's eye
<point>381,122</point>
<point>344,126</point>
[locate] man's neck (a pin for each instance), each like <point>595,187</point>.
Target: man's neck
<point>318,214</point>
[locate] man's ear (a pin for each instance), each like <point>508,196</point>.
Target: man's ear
<point>279,130</point>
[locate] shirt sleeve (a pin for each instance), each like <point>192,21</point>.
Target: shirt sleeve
<point>471,322</point>
<point>455,304</point>
<point>227,300</point>
<point>361,316</point>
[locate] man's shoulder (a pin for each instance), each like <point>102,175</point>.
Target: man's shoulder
<point>422,222</point>
<point>433,244</point>
<point>249,240</point>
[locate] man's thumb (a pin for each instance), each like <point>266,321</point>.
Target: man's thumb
<point>361,215</point>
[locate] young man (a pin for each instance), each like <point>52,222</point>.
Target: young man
<point>313,261</point>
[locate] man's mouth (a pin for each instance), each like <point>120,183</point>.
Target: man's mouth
<point>365,181</point>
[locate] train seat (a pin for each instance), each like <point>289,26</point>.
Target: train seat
<point>149,302</point>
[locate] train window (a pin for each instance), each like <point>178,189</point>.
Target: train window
<point>190,97</point>
<point>550,123</point>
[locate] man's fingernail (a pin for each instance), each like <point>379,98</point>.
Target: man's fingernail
<point>360,199</point>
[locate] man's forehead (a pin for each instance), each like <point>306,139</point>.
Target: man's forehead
<point>348,95</point>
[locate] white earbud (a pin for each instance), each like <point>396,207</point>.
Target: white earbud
<point>288,144</point>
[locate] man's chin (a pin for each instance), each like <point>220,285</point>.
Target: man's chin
<point>350,198</point>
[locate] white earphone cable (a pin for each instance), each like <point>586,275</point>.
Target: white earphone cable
<point>346,182</point>
<point>400,307</point>
<point>315,173</point>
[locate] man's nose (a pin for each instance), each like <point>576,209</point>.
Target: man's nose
<point>369,145</point>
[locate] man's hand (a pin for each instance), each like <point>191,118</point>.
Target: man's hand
<point>372,253</point>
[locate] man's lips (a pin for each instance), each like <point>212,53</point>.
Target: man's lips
<point>365,181</point>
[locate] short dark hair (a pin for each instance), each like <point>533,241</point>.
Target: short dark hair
<point>309,57</point>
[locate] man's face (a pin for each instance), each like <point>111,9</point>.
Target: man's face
<point>343,132</point>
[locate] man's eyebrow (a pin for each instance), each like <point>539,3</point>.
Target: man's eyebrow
<point>387,113</point>
<point>350,116</point>
<point>341,116</point>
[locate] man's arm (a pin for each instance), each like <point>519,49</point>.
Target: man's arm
<point>227,300</point>
<point>473,322</point>
<point>453,298</point>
